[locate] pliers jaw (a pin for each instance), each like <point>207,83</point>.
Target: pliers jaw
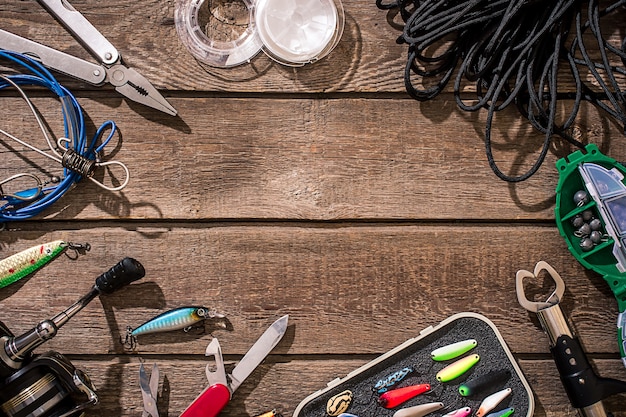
<point>554,298</point>
<point>109,69</point>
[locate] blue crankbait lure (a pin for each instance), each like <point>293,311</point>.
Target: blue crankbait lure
<point>180,318</point>
<point>392,380</point>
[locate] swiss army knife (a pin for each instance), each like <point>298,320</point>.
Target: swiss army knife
<point>221,385</point>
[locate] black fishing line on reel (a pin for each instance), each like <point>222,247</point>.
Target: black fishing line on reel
<point>48,384</point>
<point>516,52</point>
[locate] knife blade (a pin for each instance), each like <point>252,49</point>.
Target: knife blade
<point>264,345</point>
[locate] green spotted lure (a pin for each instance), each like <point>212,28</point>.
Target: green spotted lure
<point>24,263</point>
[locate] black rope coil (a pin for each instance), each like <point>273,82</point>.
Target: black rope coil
<point>516,52</point>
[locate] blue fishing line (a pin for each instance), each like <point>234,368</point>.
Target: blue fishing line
<point>74,130</point>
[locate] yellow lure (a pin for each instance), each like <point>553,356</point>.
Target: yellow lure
<point>458,368</point>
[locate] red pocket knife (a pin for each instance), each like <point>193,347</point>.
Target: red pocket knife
<point>222,386</point>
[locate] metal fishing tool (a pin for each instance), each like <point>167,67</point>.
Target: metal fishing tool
<point>110,69</point>
<point>26,262</point>
<point>221,385</point>
<point>47,384</point>
<point>149,390</point>
<point>583,386</point>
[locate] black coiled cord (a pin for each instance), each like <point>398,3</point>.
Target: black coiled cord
<point>515,52</point>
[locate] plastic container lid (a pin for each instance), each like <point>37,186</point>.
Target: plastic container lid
<point>297,32</point>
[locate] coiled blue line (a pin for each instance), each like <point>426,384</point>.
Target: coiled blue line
<point>74,129</point>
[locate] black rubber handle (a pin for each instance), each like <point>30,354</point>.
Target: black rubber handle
<point>126,271</point>
<point>582,385</point>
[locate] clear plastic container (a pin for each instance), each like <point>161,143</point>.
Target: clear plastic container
<point>298,32</point>
<point>193,31</point>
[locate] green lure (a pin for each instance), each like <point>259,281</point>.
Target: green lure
<point>502,413</point>
<point>458,368</point>
<point>24,263</point>
<point>453,350</point>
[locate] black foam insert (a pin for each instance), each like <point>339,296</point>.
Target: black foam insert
<point>493,356</point>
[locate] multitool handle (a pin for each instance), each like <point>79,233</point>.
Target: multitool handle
<point>82,30</point>
<point>209,403</point>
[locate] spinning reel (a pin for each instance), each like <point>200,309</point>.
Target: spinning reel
<point>48,385</point>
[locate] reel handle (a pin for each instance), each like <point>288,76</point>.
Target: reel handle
<point>123,273</point>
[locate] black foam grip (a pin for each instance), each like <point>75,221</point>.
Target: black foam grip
<point>582,385</point>
<point>126,271</point>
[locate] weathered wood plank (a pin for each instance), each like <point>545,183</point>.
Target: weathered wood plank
<point>367,58</point>
<point>375,284</point>
<point>306,159</point>
<point>259,144</point>
<point>282,382</point>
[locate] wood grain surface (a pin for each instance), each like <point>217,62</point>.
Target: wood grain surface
<point>323,192</point>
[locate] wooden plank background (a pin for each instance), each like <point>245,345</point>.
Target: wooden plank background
<point>322,192</point>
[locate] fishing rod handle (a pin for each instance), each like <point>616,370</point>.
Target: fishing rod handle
<point>17,349</point>
<point>123,273</point>
<point>583,386</point>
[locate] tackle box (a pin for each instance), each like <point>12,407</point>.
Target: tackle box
<point>416,353</point>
